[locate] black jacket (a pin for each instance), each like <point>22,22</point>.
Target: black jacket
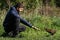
<point>13,19</point>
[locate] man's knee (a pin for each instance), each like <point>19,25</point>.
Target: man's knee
<point>22,28</point>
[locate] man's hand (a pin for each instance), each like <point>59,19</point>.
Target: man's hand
<point>35,28</point>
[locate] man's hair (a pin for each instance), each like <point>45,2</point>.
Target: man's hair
<point>19,5</point>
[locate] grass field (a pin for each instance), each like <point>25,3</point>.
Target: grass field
<point>40,22</point>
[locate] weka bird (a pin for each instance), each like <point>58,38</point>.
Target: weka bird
<point>51,31</point>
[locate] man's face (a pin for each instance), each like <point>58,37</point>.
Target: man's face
<point>20,9</point>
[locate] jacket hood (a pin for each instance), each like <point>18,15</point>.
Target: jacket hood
<point>13,9</point>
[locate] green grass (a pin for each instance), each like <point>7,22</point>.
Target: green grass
<point>40,22</point>
<point>31,34</point>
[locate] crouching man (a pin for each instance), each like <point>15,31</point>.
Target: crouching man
<point>12,21</point>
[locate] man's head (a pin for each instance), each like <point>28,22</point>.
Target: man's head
<point>19,7</point>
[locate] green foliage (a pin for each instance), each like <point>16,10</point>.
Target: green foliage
<point>3,4</point>
<point>29,4</point>
<point>52,3</point>
<point>56,21</point>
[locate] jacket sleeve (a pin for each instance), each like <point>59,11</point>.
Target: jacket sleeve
<point>25,22</point>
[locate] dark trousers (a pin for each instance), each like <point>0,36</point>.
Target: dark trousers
<point>13,31</point>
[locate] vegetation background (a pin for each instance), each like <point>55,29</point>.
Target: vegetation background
<point>40,13</point>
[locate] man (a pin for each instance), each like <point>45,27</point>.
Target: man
<point>12,21</point>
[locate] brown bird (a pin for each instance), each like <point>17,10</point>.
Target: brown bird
<point>51,31</point>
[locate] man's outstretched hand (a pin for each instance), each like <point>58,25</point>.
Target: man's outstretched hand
<point>35,28</point>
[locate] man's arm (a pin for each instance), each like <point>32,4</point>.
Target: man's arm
<point>28,24</point>
<point>25,22</point>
